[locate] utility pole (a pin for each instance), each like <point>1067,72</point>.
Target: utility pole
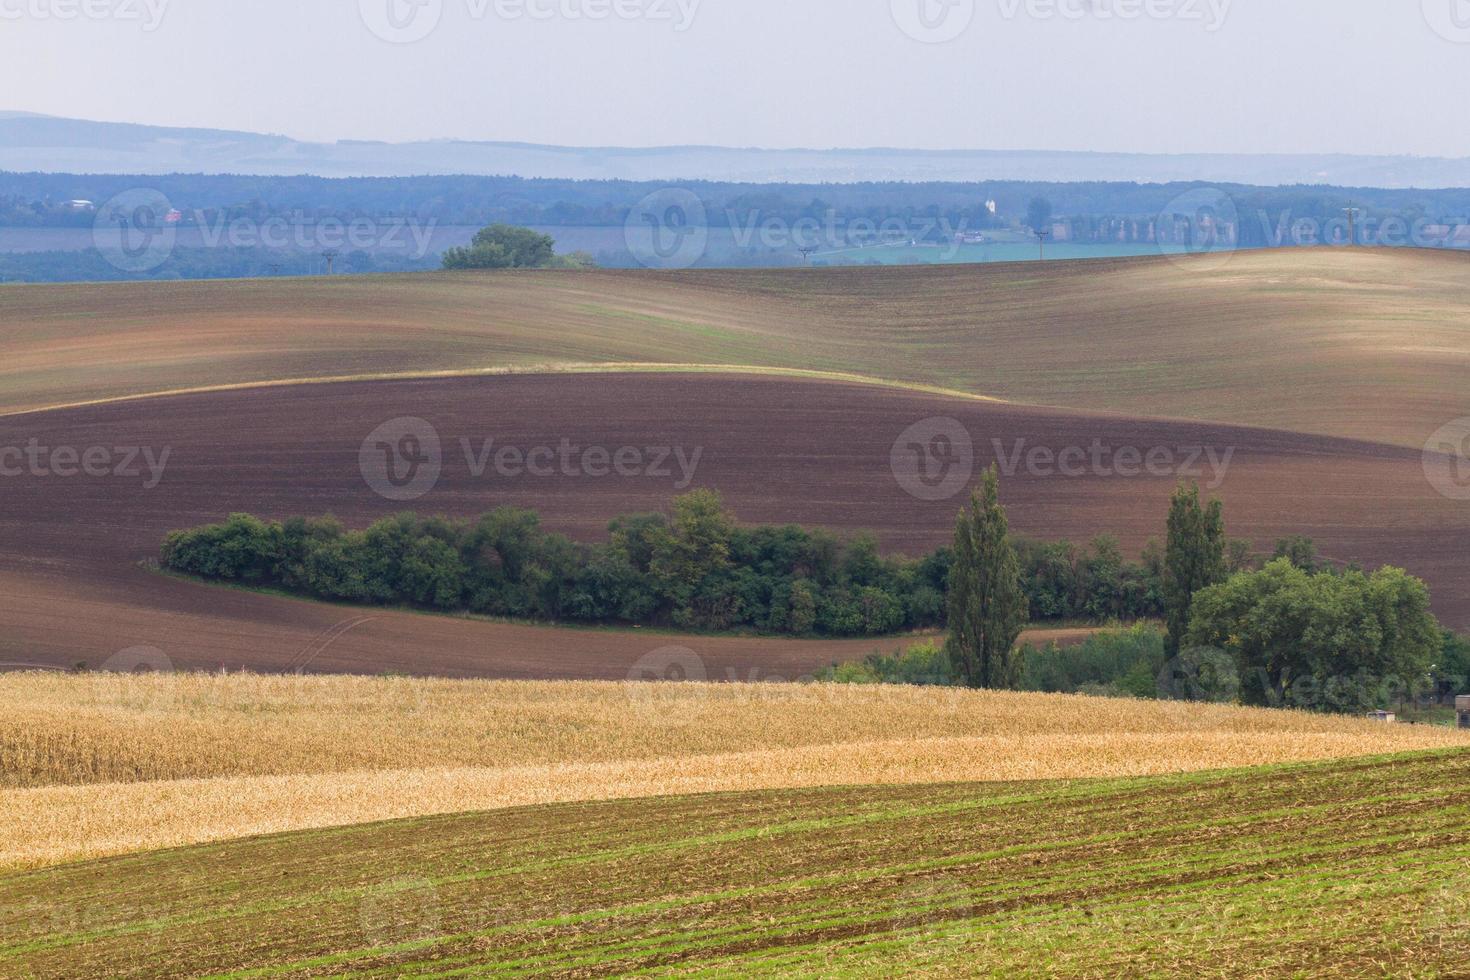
<point>1041,237</point>
<point>1352,216</point>
<point>806,254</point>
<point>329,255</point>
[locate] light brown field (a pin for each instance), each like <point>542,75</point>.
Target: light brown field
<point>195,758</point>
<point>1362,343</point>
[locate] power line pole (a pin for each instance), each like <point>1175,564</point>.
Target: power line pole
<point>329,255</point>
<point>1352,216</point>
<point>1041,237</point>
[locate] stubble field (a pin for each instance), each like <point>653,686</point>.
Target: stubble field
<point>116,763</point>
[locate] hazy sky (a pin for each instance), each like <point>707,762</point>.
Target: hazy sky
<point>1367,76</point>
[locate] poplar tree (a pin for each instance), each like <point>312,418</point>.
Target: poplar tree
<point>987,605</point>
<point>1194,558</point>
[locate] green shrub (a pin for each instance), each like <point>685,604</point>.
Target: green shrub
<point>924,664</point>
<point>1117,662</point>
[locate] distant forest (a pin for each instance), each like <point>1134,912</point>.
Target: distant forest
<point>40,200</point>
<point>1127,214</point>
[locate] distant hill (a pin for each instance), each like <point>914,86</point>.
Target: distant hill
<point>30,142</point>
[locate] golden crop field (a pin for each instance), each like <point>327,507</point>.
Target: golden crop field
<point>107,764</point>
<point>1361,343</point>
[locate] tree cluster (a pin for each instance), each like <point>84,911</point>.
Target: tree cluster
<point>694,568</point>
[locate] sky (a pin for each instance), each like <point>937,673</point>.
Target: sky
<point>1156,76</point>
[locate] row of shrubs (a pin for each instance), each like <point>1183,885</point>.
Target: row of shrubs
<point>693,568</point>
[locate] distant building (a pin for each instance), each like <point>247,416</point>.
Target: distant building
<point>990,206</point>
<point>80,205</point>
<point>1387,717</point>
<point>1462,711</point>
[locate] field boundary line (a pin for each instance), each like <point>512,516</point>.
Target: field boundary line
<point>547,369</point>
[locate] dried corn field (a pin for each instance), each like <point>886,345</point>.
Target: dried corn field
<point>103,764</point>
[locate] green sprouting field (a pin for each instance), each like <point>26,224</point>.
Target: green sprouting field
<point>1344,869</point>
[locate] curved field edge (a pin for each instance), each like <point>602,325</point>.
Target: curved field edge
<point>550,368</point>
<point>114,764</point>
<point>1362,343</point>
<point>1307,870</point>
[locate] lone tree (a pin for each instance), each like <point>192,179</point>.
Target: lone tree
<point>503,247</point>
<point>1194,558</point>
<point>1038,215</point>
<point>987,606</point>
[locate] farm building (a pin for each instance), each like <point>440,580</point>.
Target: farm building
<point>1462,711</point>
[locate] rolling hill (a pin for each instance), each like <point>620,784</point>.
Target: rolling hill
<point>1318,375</point>
<point>1353,869</point>
<point>1359,343</point>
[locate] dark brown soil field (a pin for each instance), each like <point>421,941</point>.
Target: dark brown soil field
<point>815,453</point>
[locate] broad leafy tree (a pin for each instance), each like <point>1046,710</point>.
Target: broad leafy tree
<point>1320,641</point>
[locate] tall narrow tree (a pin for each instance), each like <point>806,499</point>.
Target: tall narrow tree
<point>987,605</point>
<point>1193,559</point>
